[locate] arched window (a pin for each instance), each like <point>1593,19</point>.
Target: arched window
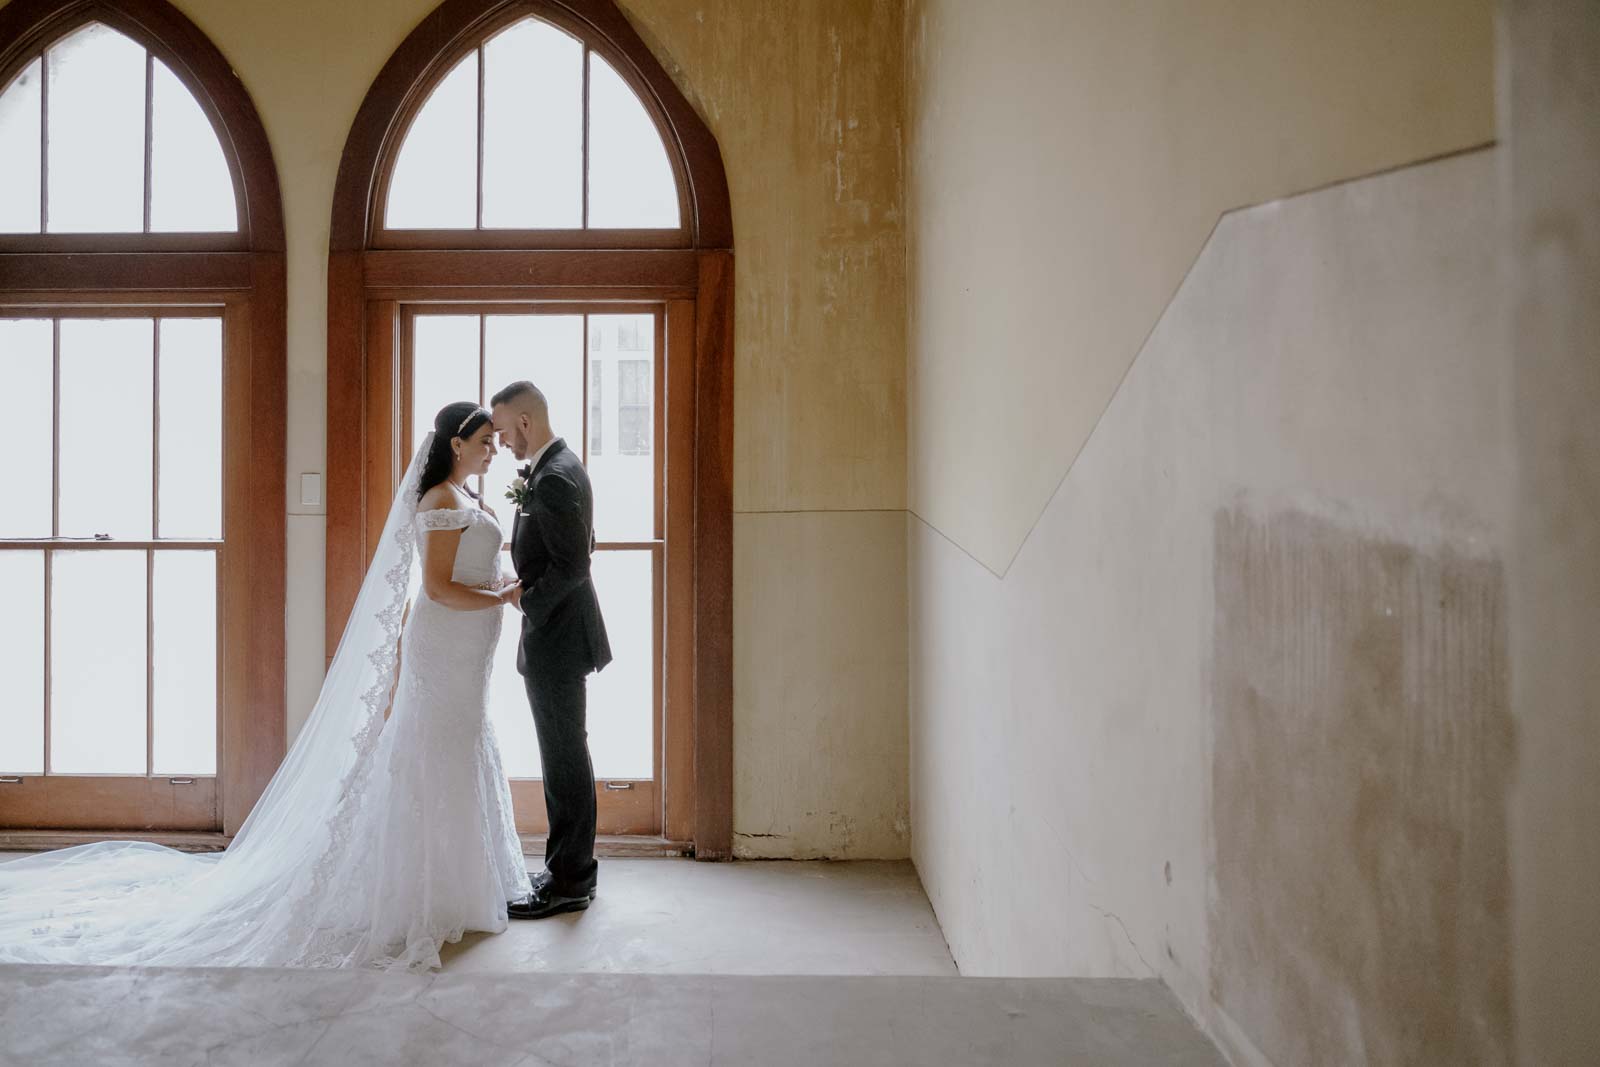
<point>142,378</point>
<point>525,194</point>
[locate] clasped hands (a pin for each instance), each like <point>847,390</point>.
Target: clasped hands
<point>509,590</point>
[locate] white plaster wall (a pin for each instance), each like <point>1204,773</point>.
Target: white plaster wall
<point>1337,352</point>
<point>1064,164</point>
<point>1551,107</point>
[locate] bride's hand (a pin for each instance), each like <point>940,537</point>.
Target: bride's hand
<point>512,594</point>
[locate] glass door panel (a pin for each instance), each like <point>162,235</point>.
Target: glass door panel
<point>598,373</point>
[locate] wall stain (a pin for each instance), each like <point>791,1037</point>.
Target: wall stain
<point>1363,748</point>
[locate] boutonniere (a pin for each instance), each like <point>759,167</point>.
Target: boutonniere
<point>520,490</point>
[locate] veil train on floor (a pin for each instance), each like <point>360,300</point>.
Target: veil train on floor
<point>263,901</point>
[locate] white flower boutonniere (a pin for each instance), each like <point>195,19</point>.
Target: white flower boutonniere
<point>520,491</point>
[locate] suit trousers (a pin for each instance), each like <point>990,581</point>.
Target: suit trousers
<point>560,717</point>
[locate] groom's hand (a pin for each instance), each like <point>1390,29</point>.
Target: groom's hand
<point>512,594</point>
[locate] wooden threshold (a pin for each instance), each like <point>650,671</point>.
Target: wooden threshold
<point>606,847</point>
<point>617,846</point>
<point>46,840</point>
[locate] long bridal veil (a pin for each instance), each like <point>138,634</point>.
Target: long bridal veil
<point>270,898</point>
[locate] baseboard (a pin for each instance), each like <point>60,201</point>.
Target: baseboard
<point>46,840</point>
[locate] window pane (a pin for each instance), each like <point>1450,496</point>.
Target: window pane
<point>106,389</point>
<point>97,662</point>
<point>26,414</point>
<point>630,181</point>
<point>624,471</point>
<point>533,128</point>
<point>435,183</point>
<point>190,187</point>
<point>19,147</point>
<point>621,701</point>
<point>22,662</point>
<point>444,368</point>
<point>191,428</point>
<point>508,702</point>
<point>96,133</point>
<point>548,351</point>
<point>184,663</point>
<point>596,409</point>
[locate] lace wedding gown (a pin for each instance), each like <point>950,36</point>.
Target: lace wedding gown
<point>375,843</point>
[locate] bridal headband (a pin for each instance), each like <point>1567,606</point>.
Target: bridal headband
<point>470,416</point>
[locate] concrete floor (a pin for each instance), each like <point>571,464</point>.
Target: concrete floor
<point>82,1015</point>
<point>671,916</point>
<point>677,962</point>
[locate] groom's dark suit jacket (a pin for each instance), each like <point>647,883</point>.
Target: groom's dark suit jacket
<point>552,540</point>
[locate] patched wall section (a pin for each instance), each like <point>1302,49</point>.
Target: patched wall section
<point>1363,746</point>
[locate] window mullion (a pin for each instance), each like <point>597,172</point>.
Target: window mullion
<point>483,358</point>
<point>149,661</point>
<point>55,425</point>
<point>44,139</point>
<point>49,594</point>
<point>587,62</point>
<point>584,374</point>
<point>480,143</point>
<point>155,430</point>
<point>149,126</point>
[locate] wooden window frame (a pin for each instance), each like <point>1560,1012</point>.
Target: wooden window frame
<point>240,277</point>
<point>372,273</point>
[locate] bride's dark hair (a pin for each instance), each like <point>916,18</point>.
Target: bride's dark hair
<point>461,419</point>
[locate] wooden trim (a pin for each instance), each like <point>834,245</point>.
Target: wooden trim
<point>81,801</point>
<point>518,240</point>
<point>605,846</point>
<point>456,27</point>
<point>14,243</point>
<point>345,552</point>
<point>117,304</point>
<point>713,562</point>
<point>630,811</point>
<point>525,307</point>
<point>618,846</point>
<point>28,27</point>
<point>44,274</point>
<point>49,840</point>
<point>504,269</point>
<point>82,544</point>
<point>253,738</point>
<point>677,757</point>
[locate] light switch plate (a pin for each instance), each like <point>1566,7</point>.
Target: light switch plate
<point>311,490</point>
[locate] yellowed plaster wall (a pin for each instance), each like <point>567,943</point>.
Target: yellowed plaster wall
<point>805,101</point>
<point>1065,163</point>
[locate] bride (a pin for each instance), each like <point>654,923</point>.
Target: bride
<point>377,841</point>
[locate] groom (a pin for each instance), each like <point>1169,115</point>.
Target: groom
<point>563,638</point>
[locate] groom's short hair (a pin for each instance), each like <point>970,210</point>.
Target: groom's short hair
<point>518,390</point>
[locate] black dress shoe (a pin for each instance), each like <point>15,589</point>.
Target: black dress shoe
<point>543,878</point>
<point>542,902</point>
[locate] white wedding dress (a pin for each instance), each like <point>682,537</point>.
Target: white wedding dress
<point>374,844</point>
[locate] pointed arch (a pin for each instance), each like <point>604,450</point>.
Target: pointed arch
<point>28,27</point>
<point>380,280</point>
<point>453,31</point>
<point>233,281</point>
